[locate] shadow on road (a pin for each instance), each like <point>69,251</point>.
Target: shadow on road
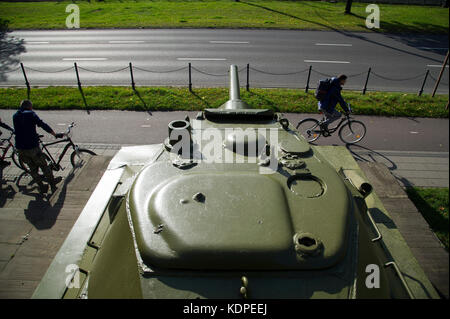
<point>10,47</point>
<point>42,211</point>
<point>387,27</point>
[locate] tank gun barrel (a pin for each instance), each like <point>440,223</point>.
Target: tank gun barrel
<point>235,93</point>
<point>235,101</point>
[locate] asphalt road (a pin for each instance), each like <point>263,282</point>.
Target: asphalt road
<point>392,58</point>
<point>137,128</point>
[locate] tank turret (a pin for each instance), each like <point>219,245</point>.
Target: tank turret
<point>234,203</point>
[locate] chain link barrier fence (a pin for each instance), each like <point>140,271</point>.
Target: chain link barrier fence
<point>303,83</point>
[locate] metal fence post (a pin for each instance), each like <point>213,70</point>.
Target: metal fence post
<point>79,86</point>
<point>78,76</point>
<point>367,80</point>
<point>248,77</point>
<point>440,75</point>
<point>190,78</point>
<point>132,77</point>
<point>26,81</point>
<point>423,84</point>
<point>307,81</point>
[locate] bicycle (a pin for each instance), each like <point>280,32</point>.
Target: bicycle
<point>5,146</point>
<point>350,131</point>
<point>82,154</point>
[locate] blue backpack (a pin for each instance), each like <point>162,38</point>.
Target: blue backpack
<point>322,89</point>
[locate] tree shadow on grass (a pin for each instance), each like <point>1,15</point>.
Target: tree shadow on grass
<point>10,48</point>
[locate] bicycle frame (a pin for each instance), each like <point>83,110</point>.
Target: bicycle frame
<point>7,147</point>
<point>66,148</point>
<point>334,129</point>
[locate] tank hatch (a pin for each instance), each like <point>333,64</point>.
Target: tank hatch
<point>225,219</point>
<point>230,229</point>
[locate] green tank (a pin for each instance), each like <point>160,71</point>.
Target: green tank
<point>233,204</point>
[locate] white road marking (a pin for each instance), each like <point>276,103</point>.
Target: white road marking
<point>336,44</point>
<point>145,125</point>
<point>37,42</point>
<point>126,41</point>
<point>84,59</point>
<point>412,132</point>
<point>436,66</point>
<point>319,61</point>
<point>61,124</point>
<point>201,59</point>
<point>229,42</point>
<point>431,48</point>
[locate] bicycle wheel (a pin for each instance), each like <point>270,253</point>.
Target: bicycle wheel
<point>81,157</point>
<point>352,132</point>
<point>310,129</point>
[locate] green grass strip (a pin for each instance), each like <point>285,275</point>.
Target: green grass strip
<point>433,205</point>
<point>174,98</point>
<point>303,15</point>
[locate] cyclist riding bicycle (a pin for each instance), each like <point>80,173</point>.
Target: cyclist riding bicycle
<point>27,144</point>
<point>7,127</point>
<point>328,104</point>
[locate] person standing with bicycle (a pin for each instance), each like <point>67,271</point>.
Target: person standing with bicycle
<point>7,127</point>
<point>27,144</point>
<point>331,98</point>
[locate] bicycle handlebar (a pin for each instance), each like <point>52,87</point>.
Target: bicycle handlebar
<point>69,128</point>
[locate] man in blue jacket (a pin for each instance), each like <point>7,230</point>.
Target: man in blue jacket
<point>27,144</point>
<point>328,104</point>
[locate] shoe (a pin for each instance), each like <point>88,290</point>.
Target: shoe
<point>55,182</point>
<point>43,188</point>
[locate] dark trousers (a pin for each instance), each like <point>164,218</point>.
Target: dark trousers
<point>35,159</point>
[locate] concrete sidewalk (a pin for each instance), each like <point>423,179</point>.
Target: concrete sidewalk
<point>419,169</point>
<point>32,227</point>
<point>424,244</point>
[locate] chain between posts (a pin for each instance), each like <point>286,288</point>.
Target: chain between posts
<point>271,73</point>
<point>10,71</point>
<point>41,71</point>
<point>152,71</point>
<point>93,71</point>
<point>206,73</point>
<point>400,80</point>
<point>246,68</point>
<point>435,79</point>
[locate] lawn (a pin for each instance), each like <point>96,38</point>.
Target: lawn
<point>304,15</point>
<point>175,98</point>
<point>433,205</point>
